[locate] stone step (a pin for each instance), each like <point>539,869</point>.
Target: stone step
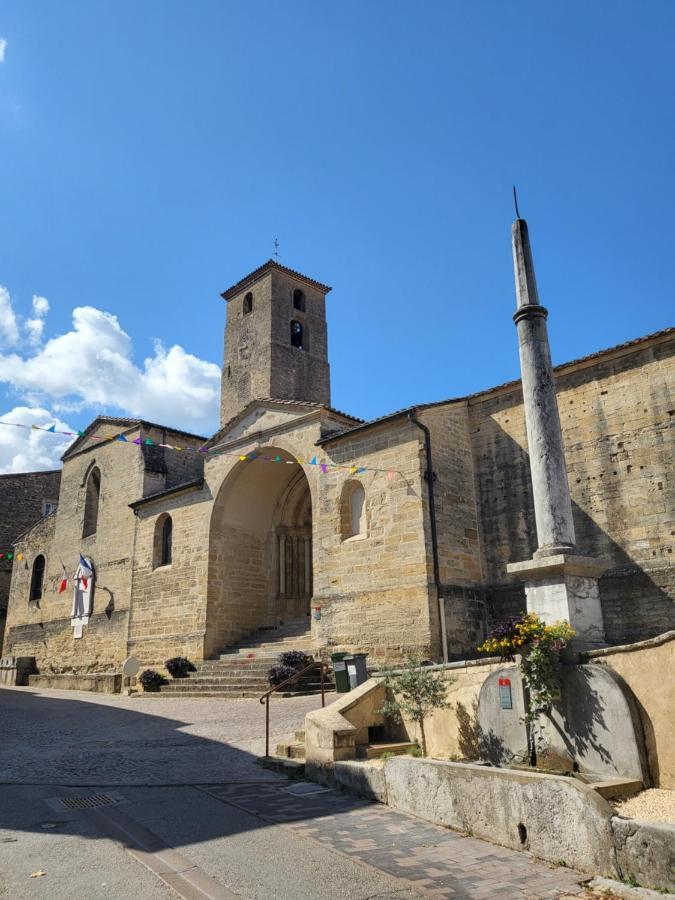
<point>615,788</point>
<point>293,768</point>
<point>189,695</point>
<point>375,751</point>
<point>296,750</point>
<point>191,686</point>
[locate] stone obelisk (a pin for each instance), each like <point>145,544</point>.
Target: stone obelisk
<point>560,582</point>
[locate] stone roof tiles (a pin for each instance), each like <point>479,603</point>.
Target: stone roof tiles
<point>268,266</point>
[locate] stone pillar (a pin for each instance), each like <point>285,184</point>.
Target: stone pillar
<point>282,564</point>
<point>560,583</point>
<point>550,489</point>
<point>308,567</point>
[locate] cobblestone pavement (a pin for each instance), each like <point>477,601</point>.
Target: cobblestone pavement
<point>435,861</point>
<point>76,737</point>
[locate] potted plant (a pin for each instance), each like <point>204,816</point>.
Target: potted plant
<point>179,666</point>
<point>296,659</point>
<point>280,673</point>
<point>151,681</point>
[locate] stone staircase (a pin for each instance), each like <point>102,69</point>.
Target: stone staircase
<point>242,672</point>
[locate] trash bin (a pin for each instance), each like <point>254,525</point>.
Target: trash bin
<point>340,673</point>
<point>356,669</point>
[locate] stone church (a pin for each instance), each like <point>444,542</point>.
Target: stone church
<point>386,536</point>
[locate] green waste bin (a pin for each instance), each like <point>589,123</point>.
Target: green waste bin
<point>357,673</point>
<point>340,673</point>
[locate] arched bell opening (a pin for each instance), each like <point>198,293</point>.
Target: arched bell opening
<point>260,549</point>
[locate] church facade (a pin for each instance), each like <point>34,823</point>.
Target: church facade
<point>387,537</point>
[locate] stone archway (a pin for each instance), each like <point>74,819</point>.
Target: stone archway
<point>260,549</point>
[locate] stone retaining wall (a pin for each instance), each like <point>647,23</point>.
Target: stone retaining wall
<point>554,818</point>
<point>99,683</point>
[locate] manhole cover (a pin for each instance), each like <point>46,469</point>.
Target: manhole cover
<point>92,802</point>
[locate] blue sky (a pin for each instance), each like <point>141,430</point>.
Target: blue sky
<point>151,151</point>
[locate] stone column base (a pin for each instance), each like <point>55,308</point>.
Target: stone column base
<point>565,588</point>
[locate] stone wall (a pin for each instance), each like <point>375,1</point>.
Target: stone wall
<point>616,413</point>
<point>643,667</point>
<point>375,591</point>
<point>22,499</point>
<point>460,557</point>
<point>259,359</point>
<point>168,615</point>
<point>43,629</point>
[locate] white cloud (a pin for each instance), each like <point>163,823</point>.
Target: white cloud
<point>25,450</point>
<point>3,47</point>
<point>92,366</point>
<point>9,330</point>
<point>40,306</point>
<point>35,327</point>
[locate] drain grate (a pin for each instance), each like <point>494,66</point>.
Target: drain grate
<point>92,802</point>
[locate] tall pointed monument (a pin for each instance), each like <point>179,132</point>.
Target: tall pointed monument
<point>560,583</point>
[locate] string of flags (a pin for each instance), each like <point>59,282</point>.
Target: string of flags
<point>324,465</point>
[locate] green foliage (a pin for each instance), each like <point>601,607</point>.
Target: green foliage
<point>539,646</point>
<point>387,755</point>
<point>413,692</point>
<point>415,751</point>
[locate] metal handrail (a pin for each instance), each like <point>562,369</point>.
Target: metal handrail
<point>265,698</point>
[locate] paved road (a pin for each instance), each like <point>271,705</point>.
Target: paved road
<point>189,814</point>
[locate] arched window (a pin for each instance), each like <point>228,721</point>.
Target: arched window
<point>91,502</point>
<point>37,578</point>
<point>248,303</point>
<point>163,541</point>
<point>298,300</point>
<point>298,336</point>
<point>353,511</point>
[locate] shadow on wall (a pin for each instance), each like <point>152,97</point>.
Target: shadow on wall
<point>474,742</point>
<point>635,606</point>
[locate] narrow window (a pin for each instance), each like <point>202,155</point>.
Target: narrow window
<point>162,545</point>
<point>248,303</point>
<point>353,521</point>
<point>167,532</point>
<point>91,502</point>
<point>298,300</point>
<point>297,335</point>
<point>37,578</point>
<point>358,510</point>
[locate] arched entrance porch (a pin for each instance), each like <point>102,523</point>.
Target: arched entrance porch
<point>260,549</point>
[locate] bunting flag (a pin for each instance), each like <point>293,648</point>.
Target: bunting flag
<point>324,465</point>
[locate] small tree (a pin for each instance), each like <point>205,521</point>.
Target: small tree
<point>414,691</point>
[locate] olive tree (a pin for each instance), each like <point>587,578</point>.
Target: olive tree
<point>413,692</point>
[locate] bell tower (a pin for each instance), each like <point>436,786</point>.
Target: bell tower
<point>276,342</point>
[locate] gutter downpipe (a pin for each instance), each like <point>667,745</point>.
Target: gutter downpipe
<point>430,477</point>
